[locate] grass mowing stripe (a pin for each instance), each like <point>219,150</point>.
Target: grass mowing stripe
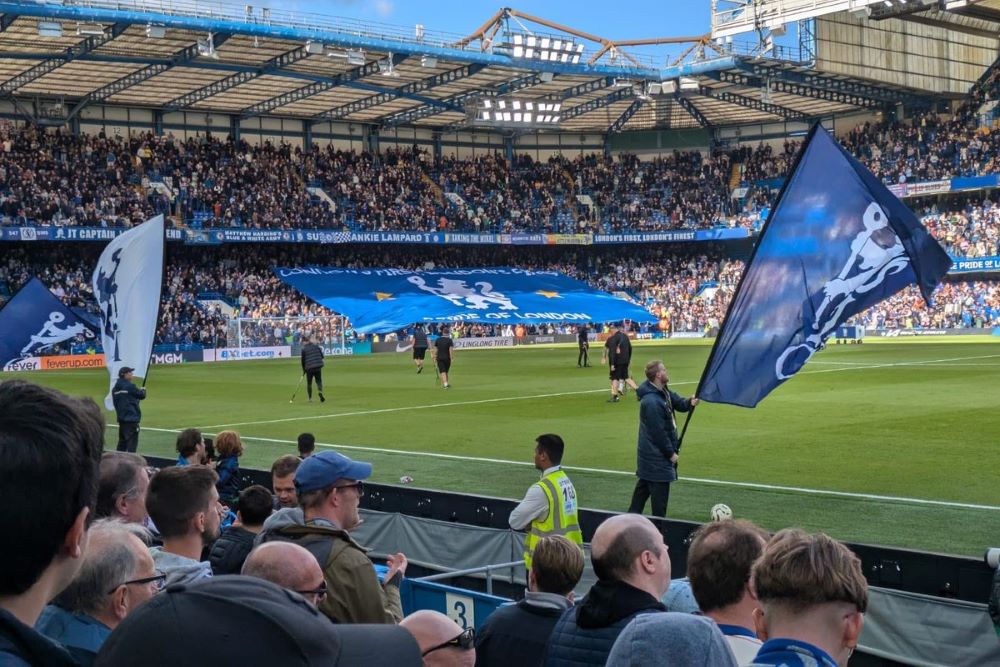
<point>601,471</point>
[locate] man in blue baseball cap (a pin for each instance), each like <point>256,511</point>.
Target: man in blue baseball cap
<point>329,487</point>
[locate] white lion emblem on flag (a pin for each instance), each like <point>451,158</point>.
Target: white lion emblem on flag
<point>463,296</point>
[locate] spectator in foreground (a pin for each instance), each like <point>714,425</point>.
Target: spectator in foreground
<point>442,642</point>
<point>229,449</point>
<point>632,565</point>
<point>45,534</point>
<point>718,567</point>
<point>235,543</point>
<point>122,491</point>
<point>330,487</point>
<point>671,640</point>
<point>813,597</point>
<point>116,577</point>
<point>190,447</point>
<point>283,481</point>
<point>184,504</point>
<point>290,566</point>
<point>517,634</point>
<point>265,624</point>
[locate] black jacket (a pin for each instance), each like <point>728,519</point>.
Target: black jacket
<point>312,357</point>
<point>585,634</point>
<point>21,645</point>
<point>516,635</point>
<point>231,550</point>
<point>126,397</point>
<point>658,438</point>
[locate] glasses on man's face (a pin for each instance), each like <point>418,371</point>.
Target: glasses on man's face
<point>318,593</point>
<point>158,582</point>
<point>464,641</point>
<point>360,486</point>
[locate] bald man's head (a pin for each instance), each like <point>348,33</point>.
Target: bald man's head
<point>433,632</point>
<point>286,564</point>
<point>628,547</point>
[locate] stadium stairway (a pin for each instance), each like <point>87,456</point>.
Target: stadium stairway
<point>321,194</point>
<point>434,187</point>
<point>735,175</point>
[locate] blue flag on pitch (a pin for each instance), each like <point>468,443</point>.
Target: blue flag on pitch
<point>837,242</point>
<point>34,320</point>
<point>378,300</point>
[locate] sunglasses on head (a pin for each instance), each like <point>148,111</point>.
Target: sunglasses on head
<point>464,641</point>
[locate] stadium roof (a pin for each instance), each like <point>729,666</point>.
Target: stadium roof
<point>248,62</point>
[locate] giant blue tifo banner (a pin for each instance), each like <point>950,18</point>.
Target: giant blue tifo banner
<point>837,242</point>
<point>34,320</point>
<point>378,300</point>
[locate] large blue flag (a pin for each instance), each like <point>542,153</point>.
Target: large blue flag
<point>837,242</point>
<point>389,299</point>
<point>34,320</point>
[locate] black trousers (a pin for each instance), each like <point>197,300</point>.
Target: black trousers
<point>128,436</point>
<point>660,492</point>
<point>581,359</point>
<point>318,375</point>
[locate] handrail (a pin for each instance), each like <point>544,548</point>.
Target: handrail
<point>487,569</point>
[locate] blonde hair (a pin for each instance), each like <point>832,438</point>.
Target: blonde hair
<point>801,570</point>
<point>228,443</point>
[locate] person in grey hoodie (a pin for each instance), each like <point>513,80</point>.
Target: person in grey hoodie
<point>184,504</point>
<point>669,639</point>
<point>658,445</point>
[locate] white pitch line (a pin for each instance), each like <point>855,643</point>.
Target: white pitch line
<point>504,399</point>
<point>715,482</point>
<point>417,407</point>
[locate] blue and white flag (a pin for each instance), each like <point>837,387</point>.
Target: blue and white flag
<point>837,242</point>
<point>127,284</point>
<point>33,321</point>
<point>378,300</point>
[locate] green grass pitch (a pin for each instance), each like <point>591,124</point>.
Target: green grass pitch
<point>855,445</point>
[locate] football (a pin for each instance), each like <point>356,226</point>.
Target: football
<point>721,512</point>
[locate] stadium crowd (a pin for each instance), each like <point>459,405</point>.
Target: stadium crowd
<point>208,290</point>
<point>126,563</point>
<point>53,178</point>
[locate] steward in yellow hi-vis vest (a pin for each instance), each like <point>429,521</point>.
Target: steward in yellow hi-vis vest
<point>550,506</point>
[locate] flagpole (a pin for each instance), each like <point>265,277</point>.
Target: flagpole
<point>159,301</point>
<point>753,254</point>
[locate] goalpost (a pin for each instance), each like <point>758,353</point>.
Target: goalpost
<point>327,330</point>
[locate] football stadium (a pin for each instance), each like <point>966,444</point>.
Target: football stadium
<point>489,333</point>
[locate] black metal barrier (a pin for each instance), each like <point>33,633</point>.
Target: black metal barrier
<point>900,569</point>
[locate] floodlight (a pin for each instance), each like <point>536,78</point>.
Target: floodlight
<point>529,53</point>
<point>531,41</point>
<point>654,88</point>
<point>314,48</point>
<point>91,29</point>
<point>386,68</point>
<point>565,57</point>
<point>557,107</point>
<point>530,106</point>
<point>527,118</point>
<point>206,47</point>
<point>428,61</point>
<point>501,105</point>
<point>355,57</point>
<point>518,40</point>
<point>155,31</point>
<point>516,104</point>
<point>545,77</point>
<point>545,43</point>
<point>517,118</point>
<point>557,45</point>
<point>50,29</point>
<point>418,31</point>
<point>555,119</point>
<point>487,104</point>
<point>689,84</point>
<point>518,51</point>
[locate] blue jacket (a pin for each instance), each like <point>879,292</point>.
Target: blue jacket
<point>80,634</point>
<point>585,633</point>
<point>23,646</point>
<point>228,485</point>
<point>126,397</point>
<point>657,432</point>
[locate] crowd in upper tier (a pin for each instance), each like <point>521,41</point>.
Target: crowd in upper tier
<point>53,178</point>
